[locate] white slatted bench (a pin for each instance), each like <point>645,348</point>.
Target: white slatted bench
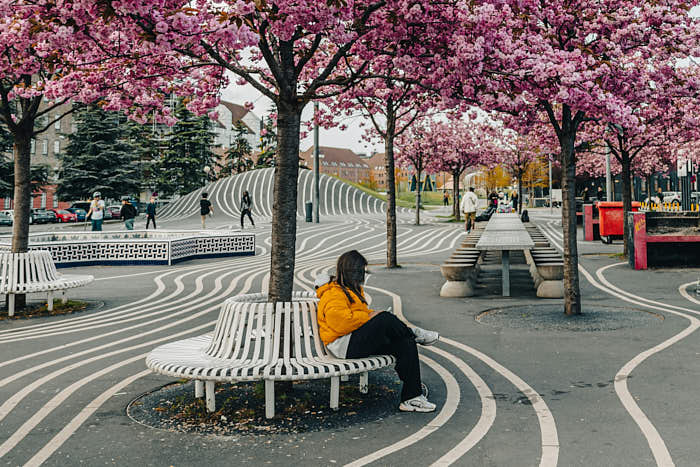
<point>253,341</point>
<point>34,272</point>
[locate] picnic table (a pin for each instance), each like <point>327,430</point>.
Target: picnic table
<point>505,232</point>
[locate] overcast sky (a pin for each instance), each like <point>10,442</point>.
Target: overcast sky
<point>350,138</point>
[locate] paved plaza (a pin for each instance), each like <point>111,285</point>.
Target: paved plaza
<point>515,383</point>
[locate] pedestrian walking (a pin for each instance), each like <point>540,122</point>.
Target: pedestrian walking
<point>514,199</point>
<point>128,213</point>
<point>96,214</point>
<point>468,207</point>
<point>350,329</point>
<point>205,209</point>
<point>246,206</point>
<point>151,212</point>
<point>586,195</point>
<point>445,198</point>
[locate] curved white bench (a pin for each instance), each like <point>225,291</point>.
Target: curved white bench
<point>34,272</point>
<point>254,341</point>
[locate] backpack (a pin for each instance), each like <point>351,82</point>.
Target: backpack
<point>524,216</point>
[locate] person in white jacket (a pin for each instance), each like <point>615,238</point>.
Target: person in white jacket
<point>468,207</point>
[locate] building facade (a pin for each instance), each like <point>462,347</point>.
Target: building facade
<point>338,162</point>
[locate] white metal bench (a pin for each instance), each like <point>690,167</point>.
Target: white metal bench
<point>255,341</point>
<point>34,272</point>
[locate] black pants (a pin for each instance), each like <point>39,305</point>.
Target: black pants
<point>243,213</point>
<point>149,218</point>
<point>386,334</point>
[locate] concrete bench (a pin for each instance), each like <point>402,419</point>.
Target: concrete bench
<point>462,267</point>
<point>34,272</point>
<point>253,340</point>
<point>546,267</point>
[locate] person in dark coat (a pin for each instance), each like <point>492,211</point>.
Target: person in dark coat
<point>151,213</point>
<point>128,213</point>
<point>601,194</point>
<point>205,209</point>
<point>246,206</point>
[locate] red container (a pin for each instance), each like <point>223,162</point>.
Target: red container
<point>612,219</point>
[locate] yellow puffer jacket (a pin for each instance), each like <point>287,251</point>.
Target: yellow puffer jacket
<point>336,315</point>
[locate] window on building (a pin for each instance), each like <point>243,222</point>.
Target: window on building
<point>45,147</point>
<point>43,201</point>
<point>32,146</point>
<point>57,125</point>
<point>56,147</point>
<point>55,201</point>
<point>7,203</point>
<point>73,127</point>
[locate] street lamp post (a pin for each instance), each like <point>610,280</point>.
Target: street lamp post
<point>317,157</point>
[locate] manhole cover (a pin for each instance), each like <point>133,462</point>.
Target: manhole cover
<point>552,318</point>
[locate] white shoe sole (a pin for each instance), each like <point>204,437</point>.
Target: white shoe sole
<point>429,343</point>
<point>413,408</point>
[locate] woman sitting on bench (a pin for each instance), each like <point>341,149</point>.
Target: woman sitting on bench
<point>351,330</point>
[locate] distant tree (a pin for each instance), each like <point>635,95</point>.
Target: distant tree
<point>39,175</point>
<point>100,157</point>
<point>5,140</point>
<point>186,150</point>
<point>239,157</point>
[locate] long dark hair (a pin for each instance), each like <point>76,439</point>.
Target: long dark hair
<point>246,196</point>
<point>350,273</point>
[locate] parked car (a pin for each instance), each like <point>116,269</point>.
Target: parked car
<point>5,218</point>
<point>39,216</point>
<point>51,215</point>
<point>84,205</point>
<point>79,213</point>
<point>673,197</point>
<point>114,211</point>
<point>64,215</point>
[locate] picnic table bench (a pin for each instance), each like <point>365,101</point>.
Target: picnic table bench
<point>505,233</point>
<point>34,272</point>
<point>255,340</point>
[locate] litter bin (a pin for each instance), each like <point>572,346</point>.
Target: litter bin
<point>309,211</point>
<point>611,220</point>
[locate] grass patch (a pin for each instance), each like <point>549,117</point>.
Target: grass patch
<point>617,256</point>
<point>37,310</point>
<point>404,199</point>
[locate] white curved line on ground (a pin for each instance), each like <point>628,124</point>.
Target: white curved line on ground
<point>654,439</point>
<point>59,398</point>
<point>68,430</point>
<point>447,411</point>
<point>548,429</point>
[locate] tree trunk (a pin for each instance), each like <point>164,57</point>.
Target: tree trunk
<point>284,207</point>
<point>572,293</point>
<point>626,197</point>
<point>455,196</point>
<point>418,197</point>
<point>22,200</point>
<point>391,260</point>
<point>520,192</point>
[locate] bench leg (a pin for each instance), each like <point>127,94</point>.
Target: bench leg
<point>364,382</point>
<point>505,259</point>
<point>198,388</point>
<point>269,398</point>
<point>344,378</point>
<point>11,305</point>
<point>211,395</point>
<point>49,300</point>
<point>335,392</point>
<point>64,297</point>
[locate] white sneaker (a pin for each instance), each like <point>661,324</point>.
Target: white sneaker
<point>417,404</point>
<point>425,337</point>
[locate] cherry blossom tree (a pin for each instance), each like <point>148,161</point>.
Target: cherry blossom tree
<point>463,143</point>
<point>417,150</point>
<point>292,52</point>
<point>574,61</point>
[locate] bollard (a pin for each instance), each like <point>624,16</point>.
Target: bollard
<point>309,211</point>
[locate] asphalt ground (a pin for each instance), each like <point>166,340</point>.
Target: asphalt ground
<point>510,389</point>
